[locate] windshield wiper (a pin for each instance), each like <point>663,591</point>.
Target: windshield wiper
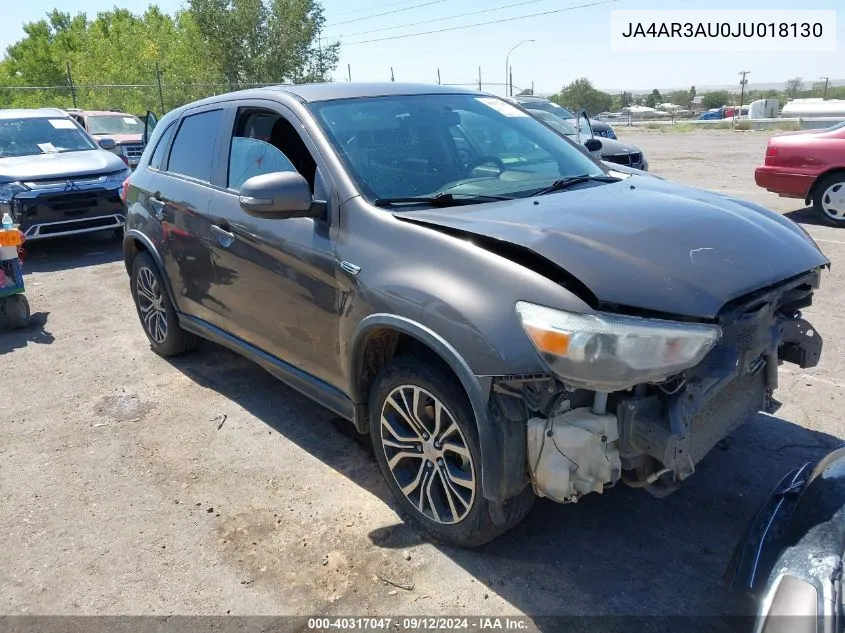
<point>439,200</point>
<point>565,183</point>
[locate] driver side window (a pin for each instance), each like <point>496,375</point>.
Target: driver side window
<point>250,157</point>
<point>264,142</point>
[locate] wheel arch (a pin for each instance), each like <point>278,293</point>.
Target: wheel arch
<point>134,243</point>
<point>385,331</point>
<point>811,192</point>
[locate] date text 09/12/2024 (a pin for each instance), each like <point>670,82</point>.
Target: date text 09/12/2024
<point>418,624</point>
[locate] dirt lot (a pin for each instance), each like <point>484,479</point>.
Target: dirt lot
<point>130,484</point>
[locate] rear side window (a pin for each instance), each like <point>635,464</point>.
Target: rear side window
<point>161,146</point>
<point>193,147</point>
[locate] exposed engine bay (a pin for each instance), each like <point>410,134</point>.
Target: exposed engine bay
<point>652,435</point>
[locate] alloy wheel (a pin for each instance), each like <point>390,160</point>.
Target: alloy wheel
<point>151,305</point>
<point>427,454</point>
<point>833,201</point>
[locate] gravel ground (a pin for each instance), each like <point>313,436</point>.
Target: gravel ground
<point>130,484</point>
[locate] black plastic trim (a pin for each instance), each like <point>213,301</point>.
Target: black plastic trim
<point>305,383</point>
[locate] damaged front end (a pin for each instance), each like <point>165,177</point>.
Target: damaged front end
<point>590,422</point>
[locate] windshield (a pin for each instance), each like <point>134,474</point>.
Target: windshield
<point>561,125</point>
<point>27,137</point>
<point>559,112</point>
<point>115,124</point>
<point>425,145</point>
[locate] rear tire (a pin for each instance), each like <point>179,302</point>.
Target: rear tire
<point>426,444</point>
<point>157,314</point>
<point>829,199</point>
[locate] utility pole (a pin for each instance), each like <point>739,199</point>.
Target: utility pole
<point>510,81</point>
<point>508,70</point>
<point>320,55</point>
<point>348,72</point>
<point>479,79</point>
<point>392,77</point>
<point>160,93</point>
<point>826,82</point>
<point>70,83</point>
<point>438,76</point>
<point>743,83</point>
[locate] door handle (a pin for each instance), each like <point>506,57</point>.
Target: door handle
<point>224,238</point>
<point>157,206</point>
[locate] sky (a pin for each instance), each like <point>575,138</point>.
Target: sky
<point>566,45</point>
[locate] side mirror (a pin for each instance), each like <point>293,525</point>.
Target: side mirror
<point>593,145</point>
<point>107,143</point>
<point>278,196</point>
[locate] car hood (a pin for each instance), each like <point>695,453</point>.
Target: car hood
<point>611,146</point>
<point>645,243</point>
<point>600,126</point>
<point>58,165</point>
<point>120,138</point>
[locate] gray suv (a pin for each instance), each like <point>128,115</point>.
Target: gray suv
<point>501,314</point>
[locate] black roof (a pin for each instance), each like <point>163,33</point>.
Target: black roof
<point>339,90</point>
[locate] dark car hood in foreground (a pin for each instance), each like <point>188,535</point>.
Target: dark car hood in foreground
<point>646,243</point>
<point>58,165</point>
<point>611,146</point>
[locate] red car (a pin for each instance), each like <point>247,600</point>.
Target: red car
<point>810,166</point>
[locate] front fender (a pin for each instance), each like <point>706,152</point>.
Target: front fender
<point>477,388</point>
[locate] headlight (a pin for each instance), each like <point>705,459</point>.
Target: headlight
<point>606,352</point>
<point>7,192</point>
<point>116,178</point>
<point>9,189</point>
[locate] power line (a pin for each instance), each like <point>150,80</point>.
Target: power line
<point>450,17</point>
<point>469,26</point>
<point>378,15</point>
<point>383,6</point>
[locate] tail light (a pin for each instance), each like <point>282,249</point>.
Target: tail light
<point>124,190</point>
<point>771,155</point>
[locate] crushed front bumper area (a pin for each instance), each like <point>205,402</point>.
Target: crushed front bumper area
<point>652,436</point>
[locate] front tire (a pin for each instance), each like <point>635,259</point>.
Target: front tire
<point>425,440</point>
<point>829,199</point>
<point>157,314</point>
<point>16,311</point>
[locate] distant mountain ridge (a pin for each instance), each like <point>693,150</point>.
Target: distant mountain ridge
<point>778,85</point>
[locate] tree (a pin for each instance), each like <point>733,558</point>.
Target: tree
<point>581,94</point>
<point>627,99</point>
<point>253,41</point>
<point>211,43</point>
<point>680,97</point>
<point>692,93</point>
<point>794,86</point>
<point>654,99</point>
<point>716,99</point>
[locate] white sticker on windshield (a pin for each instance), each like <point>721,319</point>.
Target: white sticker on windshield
<point>503,107</point>
<point>62,124</point>
<point>47,148</point>
<point>130,120</point>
